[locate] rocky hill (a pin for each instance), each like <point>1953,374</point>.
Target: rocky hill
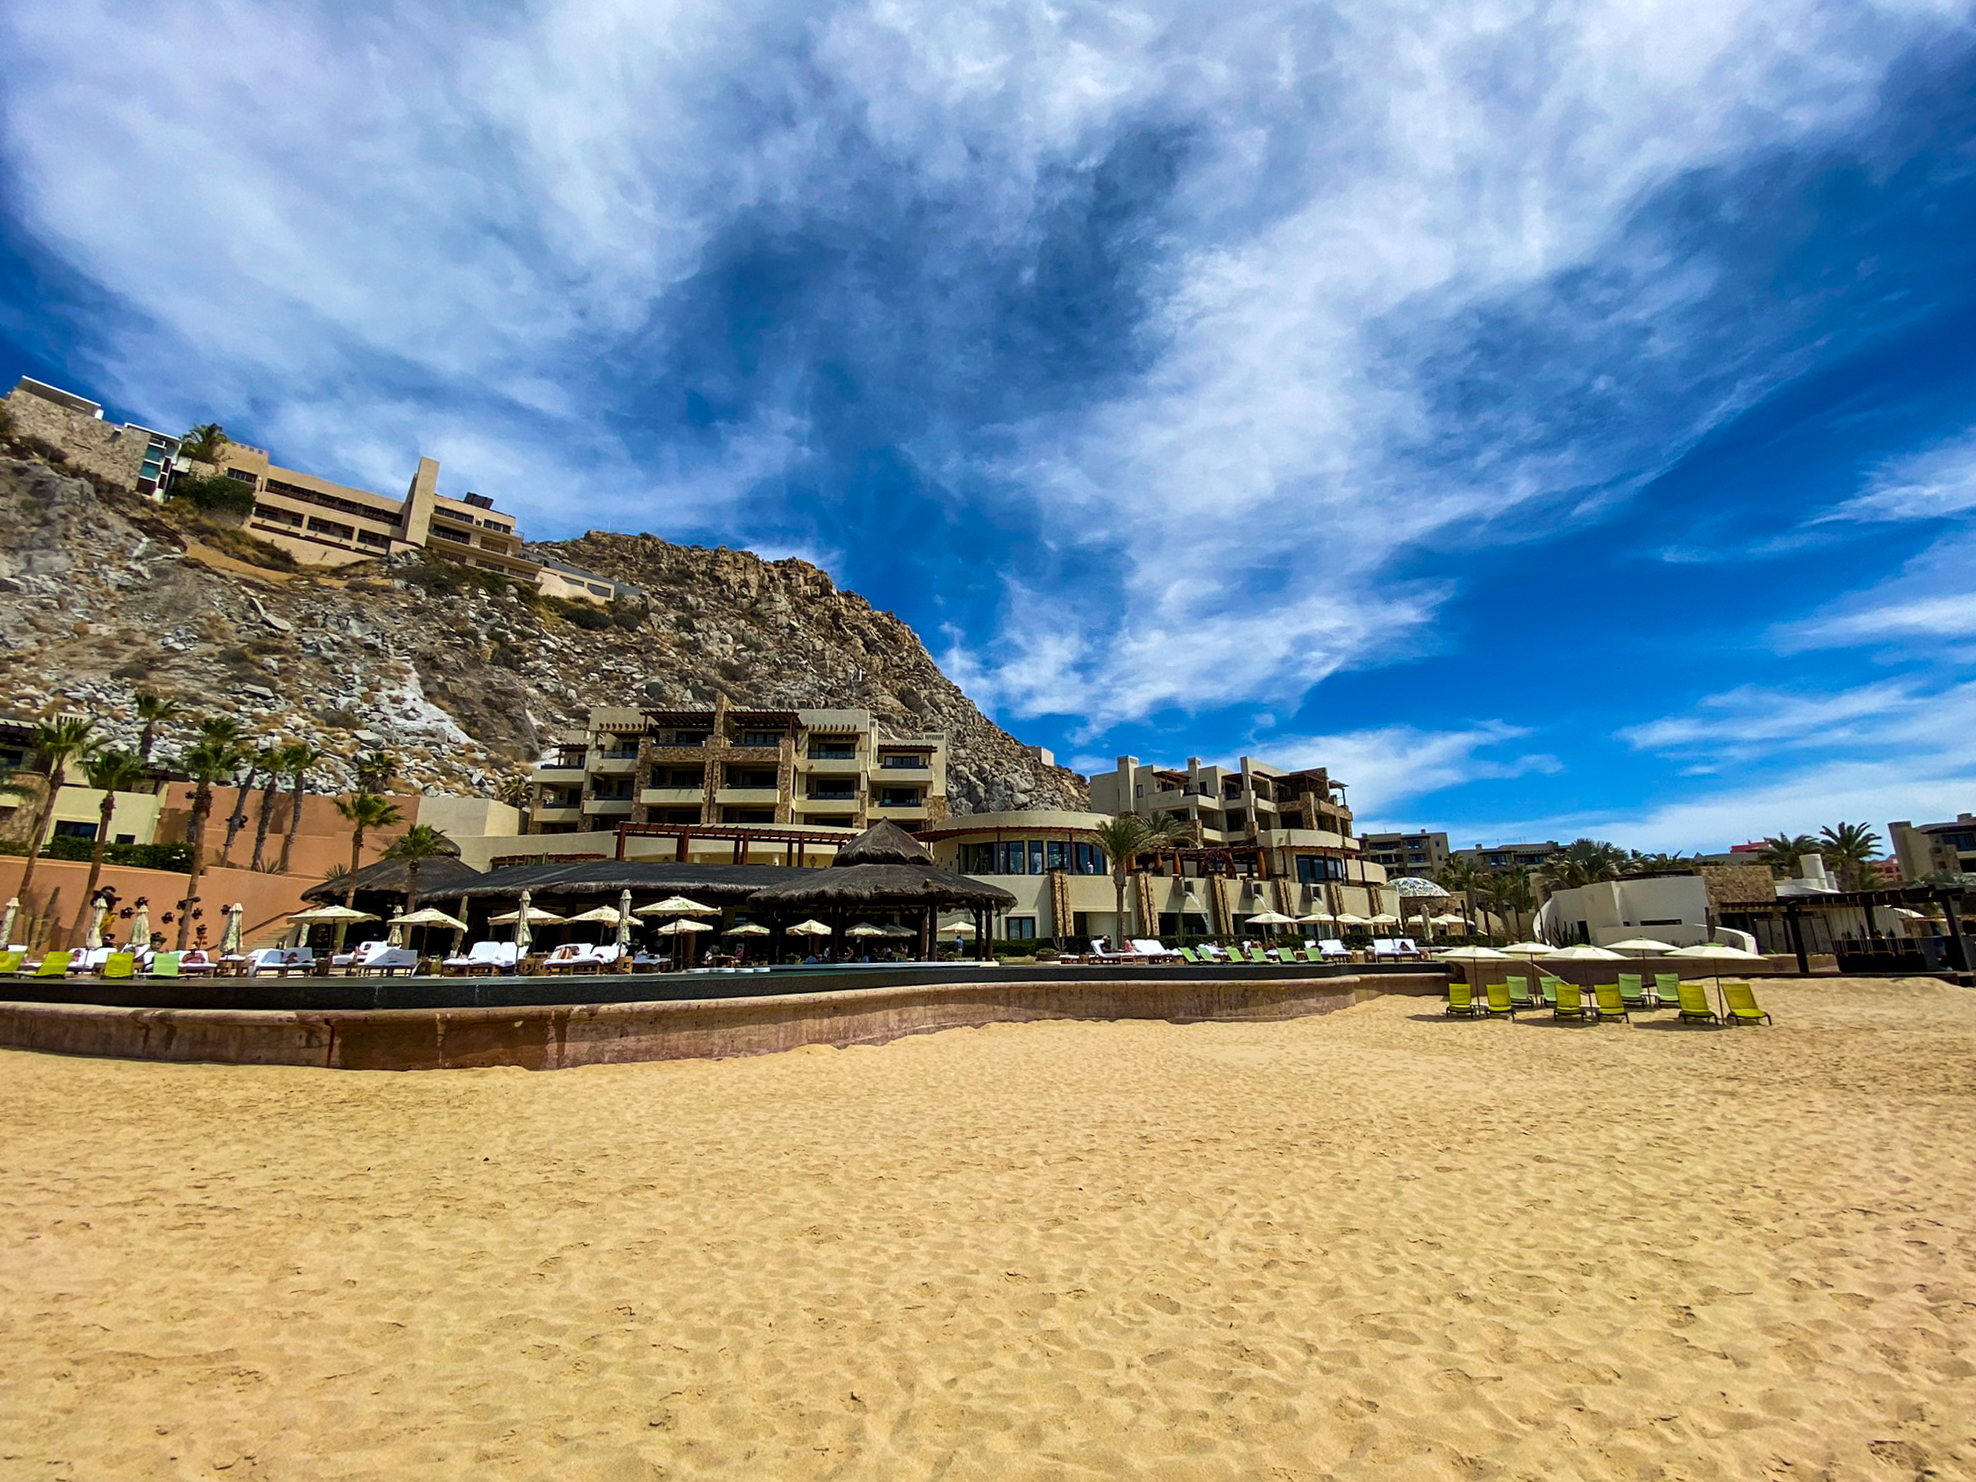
<point>103,593</point>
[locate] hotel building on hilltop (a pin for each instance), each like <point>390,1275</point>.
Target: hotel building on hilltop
<point>663,771</point>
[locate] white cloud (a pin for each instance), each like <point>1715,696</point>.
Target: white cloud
<point>1932,484</point>
<point>1929,602</point>
<point>1387,765</point>
<point>1752,721</point>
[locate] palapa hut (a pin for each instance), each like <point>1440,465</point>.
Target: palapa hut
<point>885,869</point>
<point>382,886</point>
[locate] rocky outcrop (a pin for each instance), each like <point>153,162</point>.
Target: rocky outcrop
<point>463,680</point>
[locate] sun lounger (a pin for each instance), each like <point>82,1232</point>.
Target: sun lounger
<point>390,960</point>
<point>1610,1004</point>
<point>357,955</point>
<point>1188,954</point>
<point>197,963</point>
<point>1632,991</point>
<point>1499,1000</point>
<point>1570,1002</point>
<point>1693,998</point>
<point>482,957</point>
<point>569,958</point>
<point>1153,947</point>
<point>280,961</point>
<point>1666,990</point>
<point>1334,950</point>
<point>90,960</point>
<point>10,962</point>
<point>1548,985</point>
<point>164,965</point>
<point>1236,954</point>
<point>1743,1008</point>
<point>608,958</point>
<point>119,965</point>
<point>1519,992</point>
<point>54,965</point>
<point>1461,1000</point>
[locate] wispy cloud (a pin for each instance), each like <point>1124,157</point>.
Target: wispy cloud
<point>1385,766</point>
<point>1933,484</point>
<point>1928,604</point>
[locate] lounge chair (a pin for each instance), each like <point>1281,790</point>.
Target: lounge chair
<point>119,965</point>
<point>280,961</point>
<point>1334,950</point>
<point>356,956</point>
<point>1632,991</point>
<point>197,963</point>
<point>390,960</point>
<point>1693,998</point>
<point>1667,989</point>
<point>1743,1007</point>
<point>569,958</point>
<point>1548,985</point>
<point>609,958</point>
<point>1570,1002</point>
<point>90,960</point>
<point>1499,1000</point>
<point>1519,992</point>
<point>54,965</point>
<point>1188,954</point>
<point>1610,1004</point>
<point>1236,954</point>
<point>164,965</point>
<point>11,960</point>
<point>482,957</point>
<point>1461,1000</point>
<point>1384,947</point>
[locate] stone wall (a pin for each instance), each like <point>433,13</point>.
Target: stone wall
<point>557,1037</point>
<point>104,449</point>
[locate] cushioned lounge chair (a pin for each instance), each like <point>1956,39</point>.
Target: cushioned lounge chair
<point>10,962</point>
<point>1519,992</point>
<point>1548,985</point>
<point>1610,1005</point>
<point>165,965</point>
<point>54,965</point>
<point>1693,998</point>
<point>1499,1000</point>
<point>1667,989</point>
<point>1461,1000</point>
<point>1333,950</point>
<point>1743,1007</point>
<point>1570,1002</point>
<point>119,965</point>
<point>1632,990</point>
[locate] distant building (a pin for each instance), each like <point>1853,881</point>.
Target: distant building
<point>1422,854</point>
<point>1510,856</point>
<point>136,458</point>
<point>1924,849</point>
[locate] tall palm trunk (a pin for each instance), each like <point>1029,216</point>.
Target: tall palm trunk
<point>270,789</point>
<point>1119,928</point>
<point>42,817</point>
<point>356,853</point>
<point>294,821</point>
<point>237,819</point>
<point>195,835</point>
<point>411,886</point>
<point>104,815</point>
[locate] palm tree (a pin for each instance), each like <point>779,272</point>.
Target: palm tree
<point>58,742</point>
<point>206,442</point>
<point>1126,837</point>
<point>1782,851</point>
<point>237,819</point>
<point>375,769</point>
<point>113,772</point>
<point>364,812</point>
<point>154,711</point>
<point>416,845</point>
<point>274,766</point>
<point>301,757</point>
<point>1851,848</point>
<point>208,763</point>
<point>1466,876</point>
<point>1584,862</point>
<point>518,792</point>
<point>1512,895</point>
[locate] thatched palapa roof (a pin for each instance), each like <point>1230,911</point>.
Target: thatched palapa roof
<point>715,883</point>
<point>440,875</point>
<point>883,866</point>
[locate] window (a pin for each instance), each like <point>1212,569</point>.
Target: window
<point>681,777</point>
<point>1090,860</point>
<point>333,528</point>
<point>902,761</point>
<point>70,828</point>
<point>597,591</point>
<point>978,859</point>
<point>277,516</point>
<point>1021,929</point>
<point>1056,856</point>
<point>833,792</point>
<point>761,738</point>
<point>677,816</point>
<point>1313,868</point>
<point>833,751</point>
<point>126,838</point>
<point>243,476</point>
<point>750,815</point>
<point>899,797</point>
<point>372,538</point>
<point>749,777</point>
<point>1035,856</point>
<point>1011,858</point>
<point>453,535</point>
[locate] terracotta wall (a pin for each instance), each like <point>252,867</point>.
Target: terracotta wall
<point>269,899</point>
<point>553,1038</point>
<point>324,839</point>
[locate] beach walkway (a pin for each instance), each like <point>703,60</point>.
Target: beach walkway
<point>1375,1243</point>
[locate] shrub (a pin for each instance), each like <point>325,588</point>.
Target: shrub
<point>214,494</point>
<point>174,857</point>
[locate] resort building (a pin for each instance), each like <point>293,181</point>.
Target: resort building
<point>1924,849</point>
<point>131,457</point>
<point>1238,805</point>
<point>1510,856</point>
<point>663,771</point>
<point>1408,854</point>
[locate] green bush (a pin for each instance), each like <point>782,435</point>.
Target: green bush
<point>174,857</point>
<point>214,494</point>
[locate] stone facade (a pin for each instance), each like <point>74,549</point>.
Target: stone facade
<point>104,450</point>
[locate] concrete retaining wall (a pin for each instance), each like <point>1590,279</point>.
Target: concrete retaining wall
<point>554,1038</point>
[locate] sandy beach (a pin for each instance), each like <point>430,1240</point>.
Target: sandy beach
<point>1372,1244</point>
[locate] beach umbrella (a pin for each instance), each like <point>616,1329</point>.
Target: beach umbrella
<point>395,935</point>
<point>523,936</point>
<point>140,928</point>
<point>1718,953</point>
<point>896,930</point>
<point>1384,918</point>
<point>597,916</point>
<point>230,939</point>
<point>865,929</point>
<point>537,916</point>
<point>680,928</point>
<point>330,916</point>
<point>677,905</point>
<point>624,922</point>
<point>1316,918</point>
<point>1586,954</point>
<point>1272,918</point>
<point>1347,918</point>
<point>1529,949</point>
<point>746,929</point>
<point>7,921</point>
<point>97,910</point>
<point>431,916</point>
<point>815,929</point>
<point>958,929</point>
<point>1449,918</point>
<point>1473,954</point>
<point>1641,946</point>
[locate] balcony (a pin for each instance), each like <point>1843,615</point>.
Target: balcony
<point>605,764</point>
<point>889,772</point>
<point>844,796</point>
<point>607,807</point>
<point>672,797</point>
<point>555,815</point>
<point>747,797</point>
<point>558,773</point>
<point>914,814</point>
<point>831,766</point>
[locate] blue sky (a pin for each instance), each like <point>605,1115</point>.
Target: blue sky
<point>1555,418</point>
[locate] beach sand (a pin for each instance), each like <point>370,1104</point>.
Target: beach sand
<point>1374,1244</point>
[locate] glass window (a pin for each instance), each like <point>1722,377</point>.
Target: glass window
<point>978,859</point>
<point>1021,929</point>
<point>1035,856</point>
<point>1014,858</point>
<point>1056,855</point>
<point>1090,860</point>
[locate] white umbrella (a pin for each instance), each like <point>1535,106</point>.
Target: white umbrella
<point>814,929</point>
<point>1384,918</point>
<point>1530,949</point>
<point>330,916</point>
<point>230,941</point>
<point>896,930</point>
<point>7,921</point>
<point>1272,918</point>
<point>865,929</point>
<point>746,929</point>
<point>1449,918</point>
<point>140,928</point>
<point>608,915</point>
<point>1316,918</point>
<point>537,916</point>
<point>97,910</point>
<point>680,928</point>
<point>524,938</point>
<point>395,937</point>
<point>1640,945</point>
<point>1718,953</point>
<point>1586,954</point>
<point>1473,954</point>
<point>958,929</point>
<point>431,916</point>
<point>1348,919</point>
<point>677,905</point>
<point>624,922</point>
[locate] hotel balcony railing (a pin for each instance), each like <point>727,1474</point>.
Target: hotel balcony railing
<point>555,815</point>
<point>569,775</point>
<point>606,765</point>
<point>606,806</point>
<point>672,797</point>
<point>831,766</point>
<point>745,797</point>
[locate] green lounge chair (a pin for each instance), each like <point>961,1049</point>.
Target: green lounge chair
<point>1187,954</point>
<point>1632,991</point>
<point>1499,1000</point>
<point>119,965</point>
<point>165,965</point>
<point>1549,986</point>
<point>1569,1003</point>
<point>54,965</point>
<point>1667,989</point>
<point>1611,1004</point>
<point>1236,954</point>
<point>10,963</point>
<point>1743,1008</point>
<point>1693,998</point>
<point>1519,992</point>
<point>1461,1000</point>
